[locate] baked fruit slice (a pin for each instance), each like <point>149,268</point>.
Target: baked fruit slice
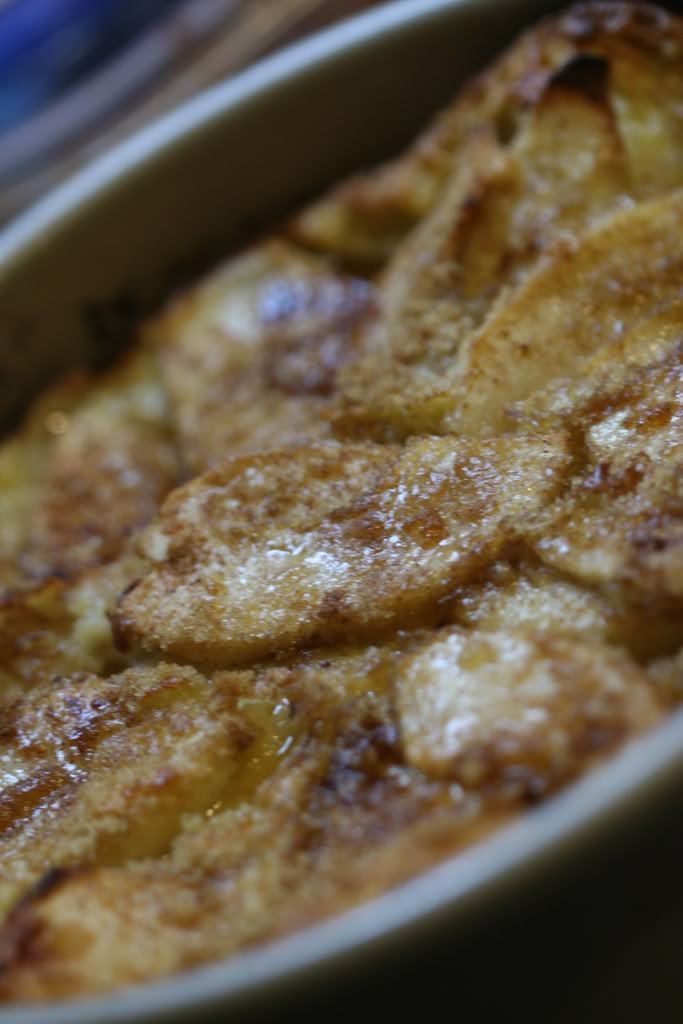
<point>364,220</point>
<point>249,356</point>
<point>292,548</point>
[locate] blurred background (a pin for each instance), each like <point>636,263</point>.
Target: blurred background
<point>78,75</point>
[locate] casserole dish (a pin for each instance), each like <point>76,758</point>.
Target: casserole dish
<point>111,242</point>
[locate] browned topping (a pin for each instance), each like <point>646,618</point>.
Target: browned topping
<point>412,541</point>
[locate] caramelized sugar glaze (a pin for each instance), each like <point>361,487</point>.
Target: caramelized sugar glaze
<point>373,540</point>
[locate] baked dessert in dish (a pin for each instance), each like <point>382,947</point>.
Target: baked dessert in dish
<point>368,544</point>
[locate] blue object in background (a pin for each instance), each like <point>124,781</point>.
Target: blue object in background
<point>70,68</point>
<point>48,45</point>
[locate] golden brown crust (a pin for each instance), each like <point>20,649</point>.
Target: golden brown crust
<point>108,767</point>
<point>517,708</point>
<point>24,458</point>
<point>95,493</point>
<point>380,651</point>
<point>308,547</point>
<point>249,357</point>
<point>365,219</point>
<point>619,274</point>
<point>88,468</point>
<point>587,141</point>
<point>620,522</point>
<point>333,817</point>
